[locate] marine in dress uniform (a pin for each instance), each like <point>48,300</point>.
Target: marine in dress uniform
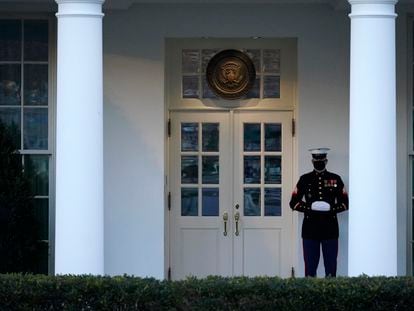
<point>320,195</point>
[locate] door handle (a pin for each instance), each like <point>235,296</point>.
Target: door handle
<point>237,218</point>
<point>225,219</point>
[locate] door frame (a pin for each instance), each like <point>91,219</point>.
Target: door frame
<point>172,47</point>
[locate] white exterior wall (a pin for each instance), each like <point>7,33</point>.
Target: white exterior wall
<point>134,113</point>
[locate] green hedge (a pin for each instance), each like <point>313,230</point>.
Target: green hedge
<point>28,292</point>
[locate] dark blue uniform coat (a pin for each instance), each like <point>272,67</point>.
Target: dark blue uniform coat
<point>324,186</point>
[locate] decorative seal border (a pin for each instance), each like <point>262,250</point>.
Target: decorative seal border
<point>230,74</point>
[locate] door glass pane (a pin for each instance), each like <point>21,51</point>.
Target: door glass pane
<point>35,128</point>
<point>210,205</point>
<point>210,137</point>
<point>189,201</point>
<point>10,40</point>
<point>251,201</point>
<point>189,137</point>
<point>10,82</point>
<point>191,61</point>
<point>252,169</point>
<point>35,84</point>
<point>36,40</point>
<point>36,167</point>
<point>10,117</point>
<point>251,137</point>
<point>189,169</point>
<point>273,169</point>
<point>190,87</point>
<point>272,206</point>
<point>271,61</point>
<point>210,169</point>
<point>273,134</point>
<point>271,87</point>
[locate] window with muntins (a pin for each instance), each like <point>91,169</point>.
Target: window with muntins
<point>25,107</point>
<point>266,63</point>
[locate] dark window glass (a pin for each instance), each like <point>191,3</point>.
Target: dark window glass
<point>210,169</point>
<point>251,201</point>
<point>189,201</point>
<point>210,137</point>
<point>189,137</point>
<point>210,202</point>
<point>36,38</point>
<point>10,40</point>
<point>36,167</point>
<point>35,128</point>
<point>272,205</point>
<point>252,169</point>
<point>10,84</point>
<point>11,117</point>
<point>252,137</point>
<point>189,169</point>
<point>273,137</point>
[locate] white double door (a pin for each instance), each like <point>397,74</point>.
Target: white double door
<point>230,185</point>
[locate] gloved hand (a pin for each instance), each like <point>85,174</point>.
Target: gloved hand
<point>321,206</point>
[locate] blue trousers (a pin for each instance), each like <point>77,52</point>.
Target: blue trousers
<point>311,255</point>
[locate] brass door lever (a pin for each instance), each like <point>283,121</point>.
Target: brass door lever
<point>225,219</point>
<point>237,218</point>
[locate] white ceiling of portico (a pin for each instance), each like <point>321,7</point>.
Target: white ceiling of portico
<point>125,4</point>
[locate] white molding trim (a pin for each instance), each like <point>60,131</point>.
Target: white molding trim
<point>373,16</point>
<point>372,9</point>
<point>80,1</point>
<point>393,2</point>
<point>79,14</point>
<point>80,8</point>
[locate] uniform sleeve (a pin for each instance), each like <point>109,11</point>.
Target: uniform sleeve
<point>341,198</point>
<point>296,203</point>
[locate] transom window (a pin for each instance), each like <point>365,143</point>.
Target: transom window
<point>266,62</point>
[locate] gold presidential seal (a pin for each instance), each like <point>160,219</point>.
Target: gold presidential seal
<point>230,74</point>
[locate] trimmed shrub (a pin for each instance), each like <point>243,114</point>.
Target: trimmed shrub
<point>37,292</point>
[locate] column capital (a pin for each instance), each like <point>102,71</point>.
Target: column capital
<point>79,8</point>
<point>80,1</point>
<point>373,8</point>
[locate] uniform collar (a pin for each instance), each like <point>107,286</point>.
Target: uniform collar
<point>320,173</point>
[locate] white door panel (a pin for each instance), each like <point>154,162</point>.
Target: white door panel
<point>254,181</point>
<point>198,244</point>
<point>263,182</point>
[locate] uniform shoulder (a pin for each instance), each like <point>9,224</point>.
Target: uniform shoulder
<point>306,175</point>
<point>333,175</point>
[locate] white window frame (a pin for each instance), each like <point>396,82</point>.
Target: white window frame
<point>51,151</point>
<point>410,144</point>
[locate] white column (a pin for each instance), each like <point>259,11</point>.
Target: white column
<point>372,208</point>
<point>79,139</point>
